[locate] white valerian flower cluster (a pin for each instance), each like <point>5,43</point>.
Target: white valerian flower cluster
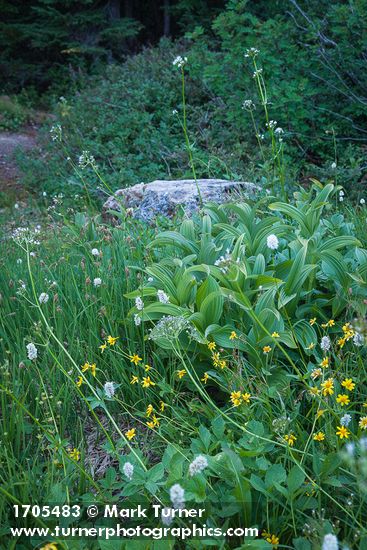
<point>278,132</point>
<point>179,61</point>
<point>162,297</point>
<point>281,424</point>
<point>32,351</point>
<point>109,389</point>
<point>271,125</point>
<point>252,52</point>
<point>95,252</point>
<point>86,159</point>
<point>330,542</point>
<point>43,298</point>
<point>257,73</point>
<point>97,281</point>
<point>248,105</point>
<point>272,242</point>
<point>198,465</point>
<point>169,327</point>
<point>333,165</point>
<point>177,496</point>
<point>325,343</point>
<point>139,304</point>
<point>27,235</point>
<point>224,262</point>
<point>362,201</point>
<point>128,470</point>
<point>56,132</point>
<point>341,195</point>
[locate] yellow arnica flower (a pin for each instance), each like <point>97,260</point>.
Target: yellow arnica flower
<point>266,349</point>
<point>74,454</point>
<point>135,359</point>
<point>112,340</point>
<point>153,423</point>
<point>342,432</point>
<point>246,397</point>
<point>348,384</point>
<point>341,342</point>
<point>205,377</point>
<point>325,363</point>
<point>320,436</point>
<point>181,373</point>
<point>328,386</point>
<point>103,347</point>
<point>363,423</point>
<point>147,368</point>
<point>274,540</point>
<point>314,391</point>
<point>79,382</point>
<point>147,382</point>
<point>134,379</point>
<point>290,439</point>
<point>49,546</point>
<point>343,399</point>
<point>233,335</point>
<point>222,364</point>
<point>216,359</point>
<point>149,410</point>
<point>312,321</point>
<point>92,367</point>
<point>212,346</point>
<point>275,335</point>
<point>236,398</point>
<point>320,412</point>
<point>330,323</point>
<point>161,406</point>
<point>130,434</point>
<point>316,373</point>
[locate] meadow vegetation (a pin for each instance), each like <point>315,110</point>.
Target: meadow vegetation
<point>212,361</point>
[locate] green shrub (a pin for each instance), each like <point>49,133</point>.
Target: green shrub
<point>221,275</point>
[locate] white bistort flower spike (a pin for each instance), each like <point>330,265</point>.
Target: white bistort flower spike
<point>109,389</point>
<point>272,242</point>
<point>177,496</point>
<point>32,351</point>
<point>95,252</point>
<point>128,470</point>
<point>198,465</point>
<point>97,281</point>
<point>330,542</point>
<point>43,298</point>
<point>325,343</point>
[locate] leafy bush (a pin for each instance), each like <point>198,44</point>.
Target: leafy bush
<point>12,114</point>
<point>240,269</point>
<point>125,117</point>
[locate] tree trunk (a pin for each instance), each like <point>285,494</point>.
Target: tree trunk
<point>128,8</point>
<point>114,9</point>
<point>166,18</point>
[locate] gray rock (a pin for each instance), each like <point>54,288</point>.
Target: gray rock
<point>163,197</point>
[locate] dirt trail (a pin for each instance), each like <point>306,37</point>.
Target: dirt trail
<point>10,178</point>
